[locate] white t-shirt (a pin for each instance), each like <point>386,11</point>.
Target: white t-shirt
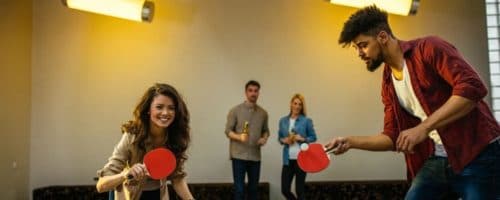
<point>293,149</point>
<point>408,100</point>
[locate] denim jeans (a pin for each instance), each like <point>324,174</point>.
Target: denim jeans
<point>240,169</point>
<point>480,179</point>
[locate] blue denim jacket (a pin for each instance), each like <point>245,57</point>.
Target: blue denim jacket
<point>303,126</point>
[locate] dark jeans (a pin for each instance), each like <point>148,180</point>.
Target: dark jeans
<point>480,179</point>
<point>240,168</point>
<point>287,174</point>
<point>153,194</point>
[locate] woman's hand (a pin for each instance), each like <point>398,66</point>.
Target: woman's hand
<point>138,171</point>
<point>299,138</point>
<point>286,140</point>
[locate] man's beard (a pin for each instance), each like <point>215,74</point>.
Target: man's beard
<point>375,64</point>
<point>252,99</point>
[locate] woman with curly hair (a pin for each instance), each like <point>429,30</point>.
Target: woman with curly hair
<point>161,119</point>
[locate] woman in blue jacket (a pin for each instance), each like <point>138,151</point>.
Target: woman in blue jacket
<point>294,129</point>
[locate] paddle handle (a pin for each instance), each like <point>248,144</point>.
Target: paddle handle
<point>130,177</point>
<point>330,150</point>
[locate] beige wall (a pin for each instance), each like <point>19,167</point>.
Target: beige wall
<point>89,71</point>
<point>15,87</point>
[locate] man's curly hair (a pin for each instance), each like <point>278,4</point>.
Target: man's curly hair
<point>368,21</point>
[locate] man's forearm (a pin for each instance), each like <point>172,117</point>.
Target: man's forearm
<point>379,142</point>
<point>233,136</point>
<point>455,108</point>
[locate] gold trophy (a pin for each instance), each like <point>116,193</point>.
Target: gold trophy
<point>244,134</point>
<point>291,136</point>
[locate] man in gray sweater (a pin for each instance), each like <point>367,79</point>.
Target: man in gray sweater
<point>247,129</point>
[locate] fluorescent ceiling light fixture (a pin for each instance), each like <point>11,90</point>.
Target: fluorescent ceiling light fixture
<point>137,10</point>
<point>398,7</point>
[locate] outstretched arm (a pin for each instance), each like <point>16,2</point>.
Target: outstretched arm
<point>379,142</point>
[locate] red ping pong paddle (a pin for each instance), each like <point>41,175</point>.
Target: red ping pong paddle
<point>159,162</point>
<point>313,158</point>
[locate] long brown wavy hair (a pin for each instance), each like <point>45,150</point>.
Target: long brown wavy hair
<point>178,133</point>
